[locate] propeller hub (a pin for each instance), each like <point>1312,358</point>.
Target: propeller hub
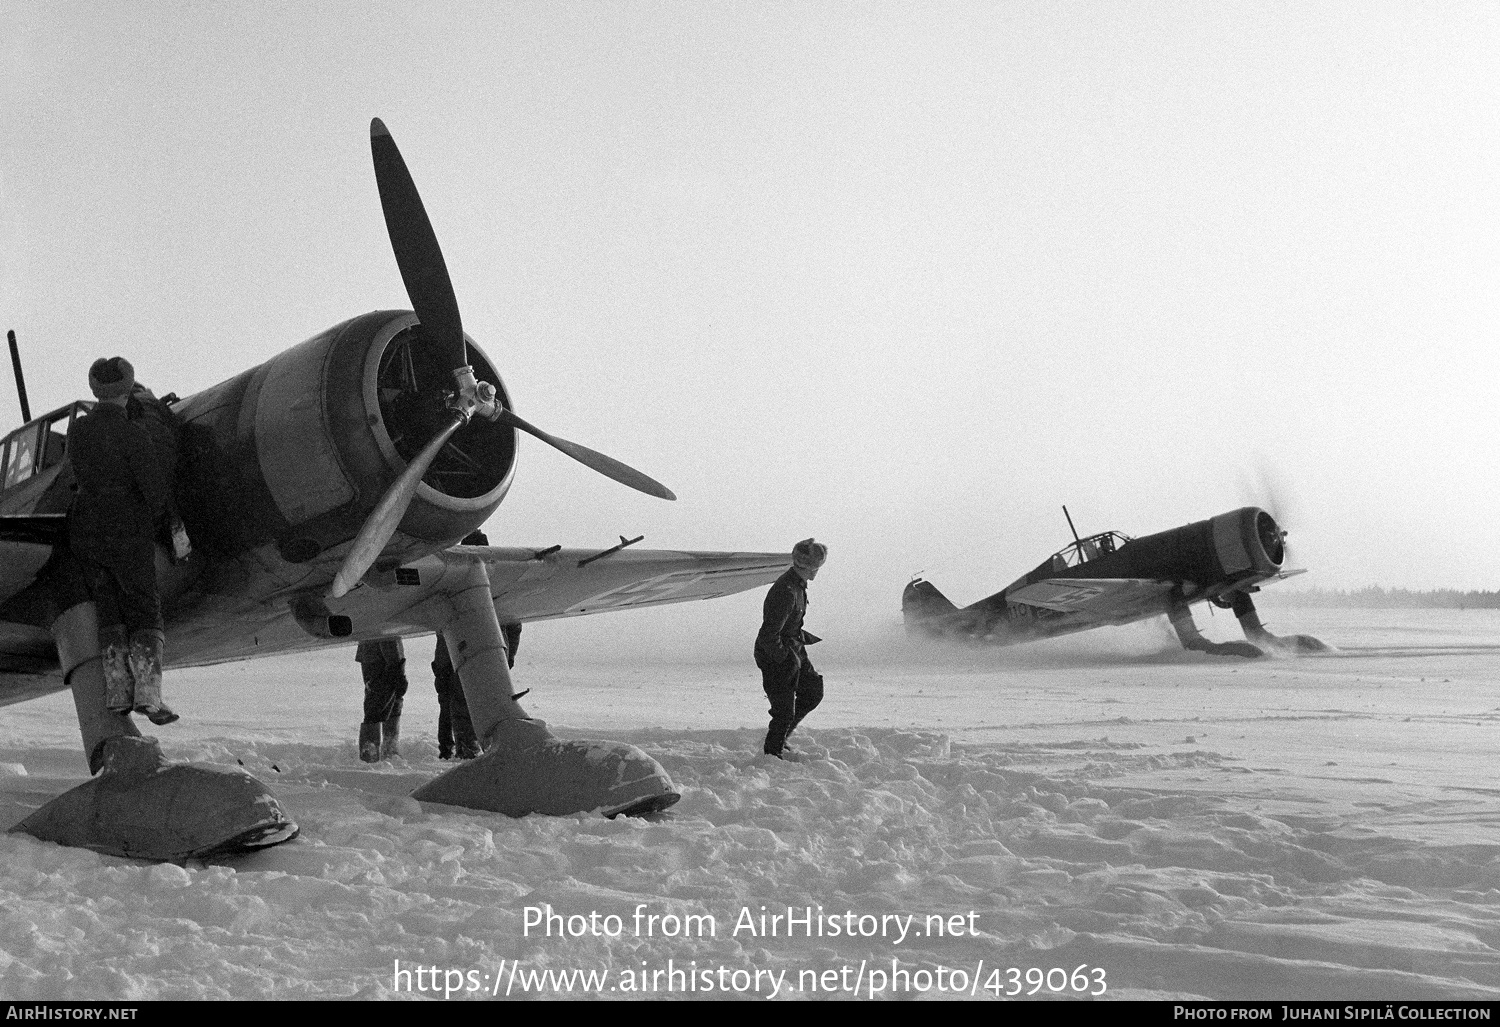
<point>473,396</point>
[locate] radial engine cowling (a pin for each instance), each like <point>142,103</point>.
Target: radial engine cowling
<point>1248,539</point>
<point>298,451</point>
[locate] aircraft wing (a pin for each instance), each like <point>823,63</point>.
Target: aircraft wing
<point>531,584</point>
<point>1108,599</point>
<point>246,616</point>
<point>22,556</point>
<point>568,583</point>
<point>26,652</point>
<point>525,585</point>
<point>26,542</point>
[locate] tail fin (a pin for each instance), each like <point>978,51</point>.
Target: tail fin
<point>921,603</point>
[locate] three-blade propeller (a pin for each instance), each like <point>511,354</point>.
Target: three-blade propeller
<point>1268,490</point>
<point>430,290</point>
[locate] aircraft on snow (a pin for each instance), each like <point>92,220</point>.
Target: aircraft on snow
<point>1112,578</point>
<point>324,492</point>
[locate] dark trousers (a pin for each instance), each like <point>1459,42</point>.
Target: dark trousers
<point>122,584</point>
<point>795,689</point>
<point>453,709</point>
<point>385,688</point>
<point>454,723</point>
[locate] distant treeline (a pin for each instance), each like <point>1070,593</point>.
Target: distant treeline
<point>1374,597</point>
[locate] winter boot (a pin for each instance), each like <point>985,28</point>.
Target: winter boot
<point>465,742</point>
<point>390,739</point>
<point>119,686</point>
<point>369,742</point>
<point>466,748</point>
<point>145,668</point>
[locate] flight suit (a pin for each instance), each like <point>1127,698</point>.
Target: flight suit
<point>787,675</point>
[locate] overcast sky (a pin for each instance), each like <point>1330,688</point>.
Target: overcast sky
<point>907,277</point>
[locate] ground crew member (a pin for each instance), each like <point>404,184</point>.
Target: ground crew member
<point>456,736</point>
<point>122,490</point>
<point>382,664</point>
<point>791,683</point>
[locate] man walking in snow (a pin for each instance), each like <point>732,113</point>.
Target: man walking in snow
<point>787,675</point>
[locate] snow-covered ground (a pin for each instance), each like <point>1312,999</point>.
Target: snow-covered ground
<point>1105,814</point>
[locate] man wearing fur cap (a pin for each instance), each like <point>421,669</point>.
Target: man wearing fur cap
<point>122,489</point>
<point>787,675</point>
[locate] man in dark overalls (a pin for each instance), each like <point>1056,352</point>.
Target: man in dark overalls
<point>787,675</point>
<point>122,490</point>
<point>456,737</point>
<point>382,664</point>
<point>455,729</point>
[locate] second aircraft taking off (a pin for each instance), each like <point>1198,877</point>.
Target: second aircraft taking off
<point>1112,578</point>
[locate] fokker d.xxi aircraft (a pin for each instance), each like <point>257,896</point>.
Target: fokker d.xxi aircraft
<point>324,492</point>
<point>1112,578</point>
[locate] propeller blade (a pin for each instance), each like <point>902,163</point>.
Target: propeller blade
<point>1269,490</point>
<point>416,248</point>
<point>382,522</point>
<point>605,465</point>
